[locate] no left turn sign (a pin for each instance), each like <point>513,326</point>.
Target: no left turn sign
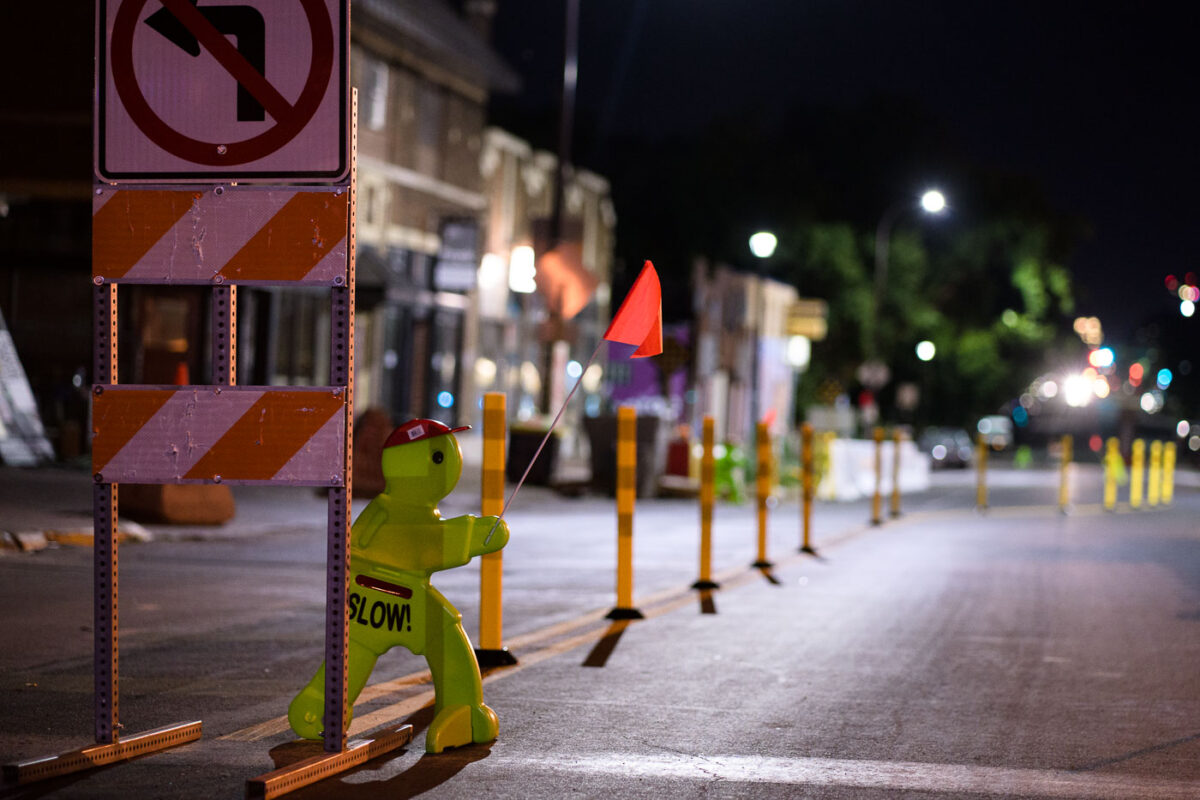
<point>213,90</point>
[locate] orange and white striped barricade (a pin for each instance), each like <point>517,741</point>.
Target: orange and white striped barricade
<point>172,210</point>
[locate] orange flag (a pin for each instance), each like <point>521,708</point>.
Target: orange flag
<point>639,319</point>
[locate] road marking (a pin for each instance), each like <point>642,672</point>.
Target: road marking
<point>955,779</point>
<point>655,605</point>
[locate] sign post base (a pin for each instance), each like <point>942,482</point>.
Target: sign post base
<point>99,755</point>
<point>325,765</point>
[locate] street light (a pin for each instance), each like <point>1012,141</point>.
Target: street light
<point>762,245</point>
<point>931,202</point>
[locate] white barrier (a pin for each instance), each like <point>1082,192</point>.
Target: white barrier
<point>851,474</point>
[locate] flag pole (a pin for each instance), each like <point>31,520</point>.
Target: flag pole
<point>545,438</point>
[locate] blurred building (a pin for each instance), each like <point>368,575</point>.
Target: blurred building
<point>752,337</point>
<point>423,73</point>
<point>443,203</point>
<point>542,305</point>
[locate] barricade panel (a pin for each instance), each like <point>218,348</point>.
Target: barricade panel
<point>250,235</point>
<point>229,434</point>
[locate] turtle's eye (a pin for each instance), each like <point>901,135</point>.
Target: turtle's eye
<point>438,457</point>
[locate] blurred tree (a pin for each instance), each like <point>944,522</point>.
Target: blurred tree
<point>986,283</point>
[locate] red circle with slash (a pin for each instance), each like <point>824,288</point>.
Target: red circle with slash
<point>290,119</point>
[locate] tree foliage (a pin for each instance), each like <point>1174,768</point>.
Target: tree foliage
<point>986,284</point>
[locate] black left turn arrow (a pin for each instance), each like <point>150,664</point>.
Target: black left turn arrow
<point>245,23</point>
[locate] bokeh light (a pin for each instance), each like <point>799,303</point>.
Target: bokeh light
<point>1135,373</point>
<point>762,244</point>
<point>1077,390</point>
<point>933,202</point>
<point>1102,358</point>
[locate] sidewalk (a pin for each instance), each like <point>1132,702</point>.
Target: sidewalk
<point>54,504</point>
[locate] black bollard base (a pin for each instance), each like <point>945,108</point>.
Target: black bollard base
<point>495,658</point>
<point>624,613</point>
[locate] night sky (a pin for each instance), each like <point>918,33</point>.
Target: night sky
<point>1095,101</point>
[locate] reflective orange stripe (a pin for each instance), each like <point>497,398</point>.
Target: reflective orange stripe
<point>128,225</point>
<point>303,232</point>
<point>267,436</point>
<point>114,424</point>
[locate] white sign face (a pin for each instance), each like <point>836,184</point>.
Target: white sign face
<point>213,90</point>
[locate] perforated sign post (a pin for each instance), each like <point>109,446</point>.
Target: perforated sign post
<point>209,115</point>
<point>246,90</point>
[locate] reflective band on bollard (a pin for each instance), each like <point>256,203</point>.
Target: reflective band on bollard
<point>1112,467</point>
<point>491,651</point>
<point>626,496</point>
<point>707,499</point>
<point>1168,480</point>
<point>1064,481</point>
<point>897,436</point>
<point>762,484</point>
<point>877,497</point>
<point>1154,478</point>
<point>1137,470</point>
<point>806,486</point>
<point>981,495</point>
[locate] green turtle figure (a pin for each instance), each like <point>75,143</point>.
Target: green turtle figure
<point>396,543</point>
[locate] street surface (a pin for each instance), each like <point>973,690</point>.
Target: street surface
<point>948,653</point>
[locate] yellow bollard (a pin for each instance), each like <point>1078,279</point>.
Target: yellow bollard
<point>626,496</point>
<point>1064,479</point>
<point>1137,469</point>
<point>1112,468</point>
<point>897,436</point>
<point>823,463</point>
<point>762,485</point>
<point>877,497</point>
<point>707,498</point>
<point>1168,473</point>
<point>491,652</point>
<point>806,486</point>
<point>1154,482</point>
<point>981,458</point>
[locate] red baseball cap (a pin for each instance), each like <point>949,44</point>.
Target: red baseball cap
<point>417,429</point>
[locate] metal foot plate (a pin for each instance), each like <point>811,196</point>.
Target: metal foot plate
<point>326,765</point>
<point>98,755</point>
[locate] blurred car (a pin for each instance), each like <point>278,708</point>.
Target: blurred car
<point>996,430</point>
<point>946,447</point>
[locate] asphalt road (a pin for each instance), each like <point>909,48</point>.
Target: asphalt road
<point>1015,653</point>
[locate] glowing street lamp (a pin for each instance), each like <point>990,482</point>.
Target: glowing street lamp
<point>762,244</point>
<point>931,202</point>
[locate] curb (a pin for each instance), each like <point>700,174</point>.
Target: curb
<point>35,541</point>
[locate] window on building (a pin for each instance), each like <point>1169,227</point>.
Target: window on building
<point>431,108</point>
<point>375,93</point>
